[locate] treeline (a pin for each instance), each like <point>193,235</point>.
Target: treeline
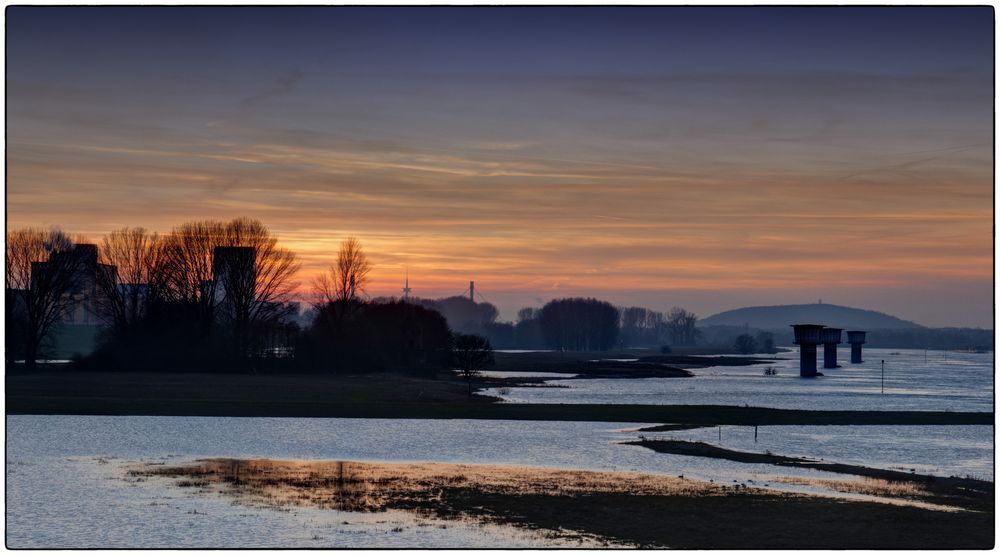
<point>761,342</point>
<point>574,324</point>
<point>208,294</point>
<point>217,296</point>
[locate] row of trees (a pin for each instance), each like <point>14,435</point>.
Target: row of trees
<point>37,300</point>
<point>214,296</point>
<point>748,344</point>
<point>570,323</point>
<point>636,326</point>
<point>218,295</point>
<point>207,287</point>
<point>641,327</point>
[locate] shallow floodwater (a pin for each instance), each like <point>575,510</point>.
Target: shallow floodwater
<point>65,485</point>
<point>914,380</point>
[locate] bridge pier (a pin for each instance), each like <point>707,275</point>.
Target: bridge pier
<point>807,337</point>
<point>856,339</point>
<point>830,338</point>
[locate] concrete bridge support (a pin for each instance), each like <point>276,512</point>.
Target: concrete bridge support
<point>856,339</point>
<point>807,337</point>
<point>831,338</point>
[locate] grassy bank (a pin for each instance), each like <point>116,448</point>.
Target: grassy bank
<point>631,508</point>
<point>378,396</point>
<point>964,492</point>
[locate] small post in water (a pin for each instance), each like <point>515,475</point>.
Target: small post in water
<point>883,377</point>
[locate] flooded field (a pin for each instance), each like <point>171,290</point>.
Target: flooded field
<point>66,486</point>
<point>914,380</point>
<point>69,481</point>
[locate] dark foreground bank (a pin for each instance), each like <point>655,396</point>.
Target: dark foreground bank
<point>380,396</point>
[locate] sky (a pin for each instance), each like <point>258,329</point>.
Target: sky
<point>709,158</point>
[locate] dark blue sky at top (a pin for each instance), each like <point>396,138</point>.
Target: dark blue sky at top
<point>107,41</point>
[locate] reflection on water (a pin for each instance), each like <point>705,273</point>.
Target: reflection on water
<point>914,380</point>
<point>83,502</point>
<point>372,487</point>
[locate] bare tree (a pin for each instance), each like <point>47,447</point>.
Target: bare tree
<point>255,275</point>
<point>641,326</point>
<point>472,353</point>
<point>125,294</point>
<point>43,270</point>
<point>187,265</point>
<point>681,325</point>
<point>348,276</point>
<point>527,313</point>
<point>234,271</point>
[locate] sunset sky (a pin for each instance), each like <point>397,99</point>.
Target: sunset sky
<point>709,158</point>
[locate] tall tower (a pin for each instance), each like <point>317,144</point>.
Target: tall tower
<point>406,287</point>
<point>472,291</point>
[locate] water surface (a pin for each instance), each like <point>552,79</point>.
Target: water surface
<point>914,380</point>
<point>65,485</point>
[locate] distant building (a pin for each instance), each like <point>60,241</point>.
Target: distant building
<point>85,293</point>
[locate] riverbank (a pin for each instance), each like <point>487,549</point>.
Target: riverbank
<point>625,508</point>
<point>382,396</point>
<point>968,493</point>
<point>623,364</point>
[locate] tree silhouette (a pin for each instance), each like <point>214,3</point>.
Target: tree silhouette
<point>579,324</point>
<point>348,276</point>
<point>471,353</point>
<point>641,327</point>
<point>375,336</point>
<point>681,325</point>
<point>745,344</point>
<point>254,280</point>
<point>188,252</point>
<point>464,314</point>
<point>43,270</point>
<point>126,294</point>
<point>765,342</point>
<point>214,292</point>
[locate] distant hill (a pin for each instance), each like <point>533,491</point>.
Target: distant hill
<point>782,316</point>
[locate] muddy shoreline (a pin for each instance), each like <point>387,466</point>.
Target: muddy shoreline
<point>967,493</point>
<point>620,507</point>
